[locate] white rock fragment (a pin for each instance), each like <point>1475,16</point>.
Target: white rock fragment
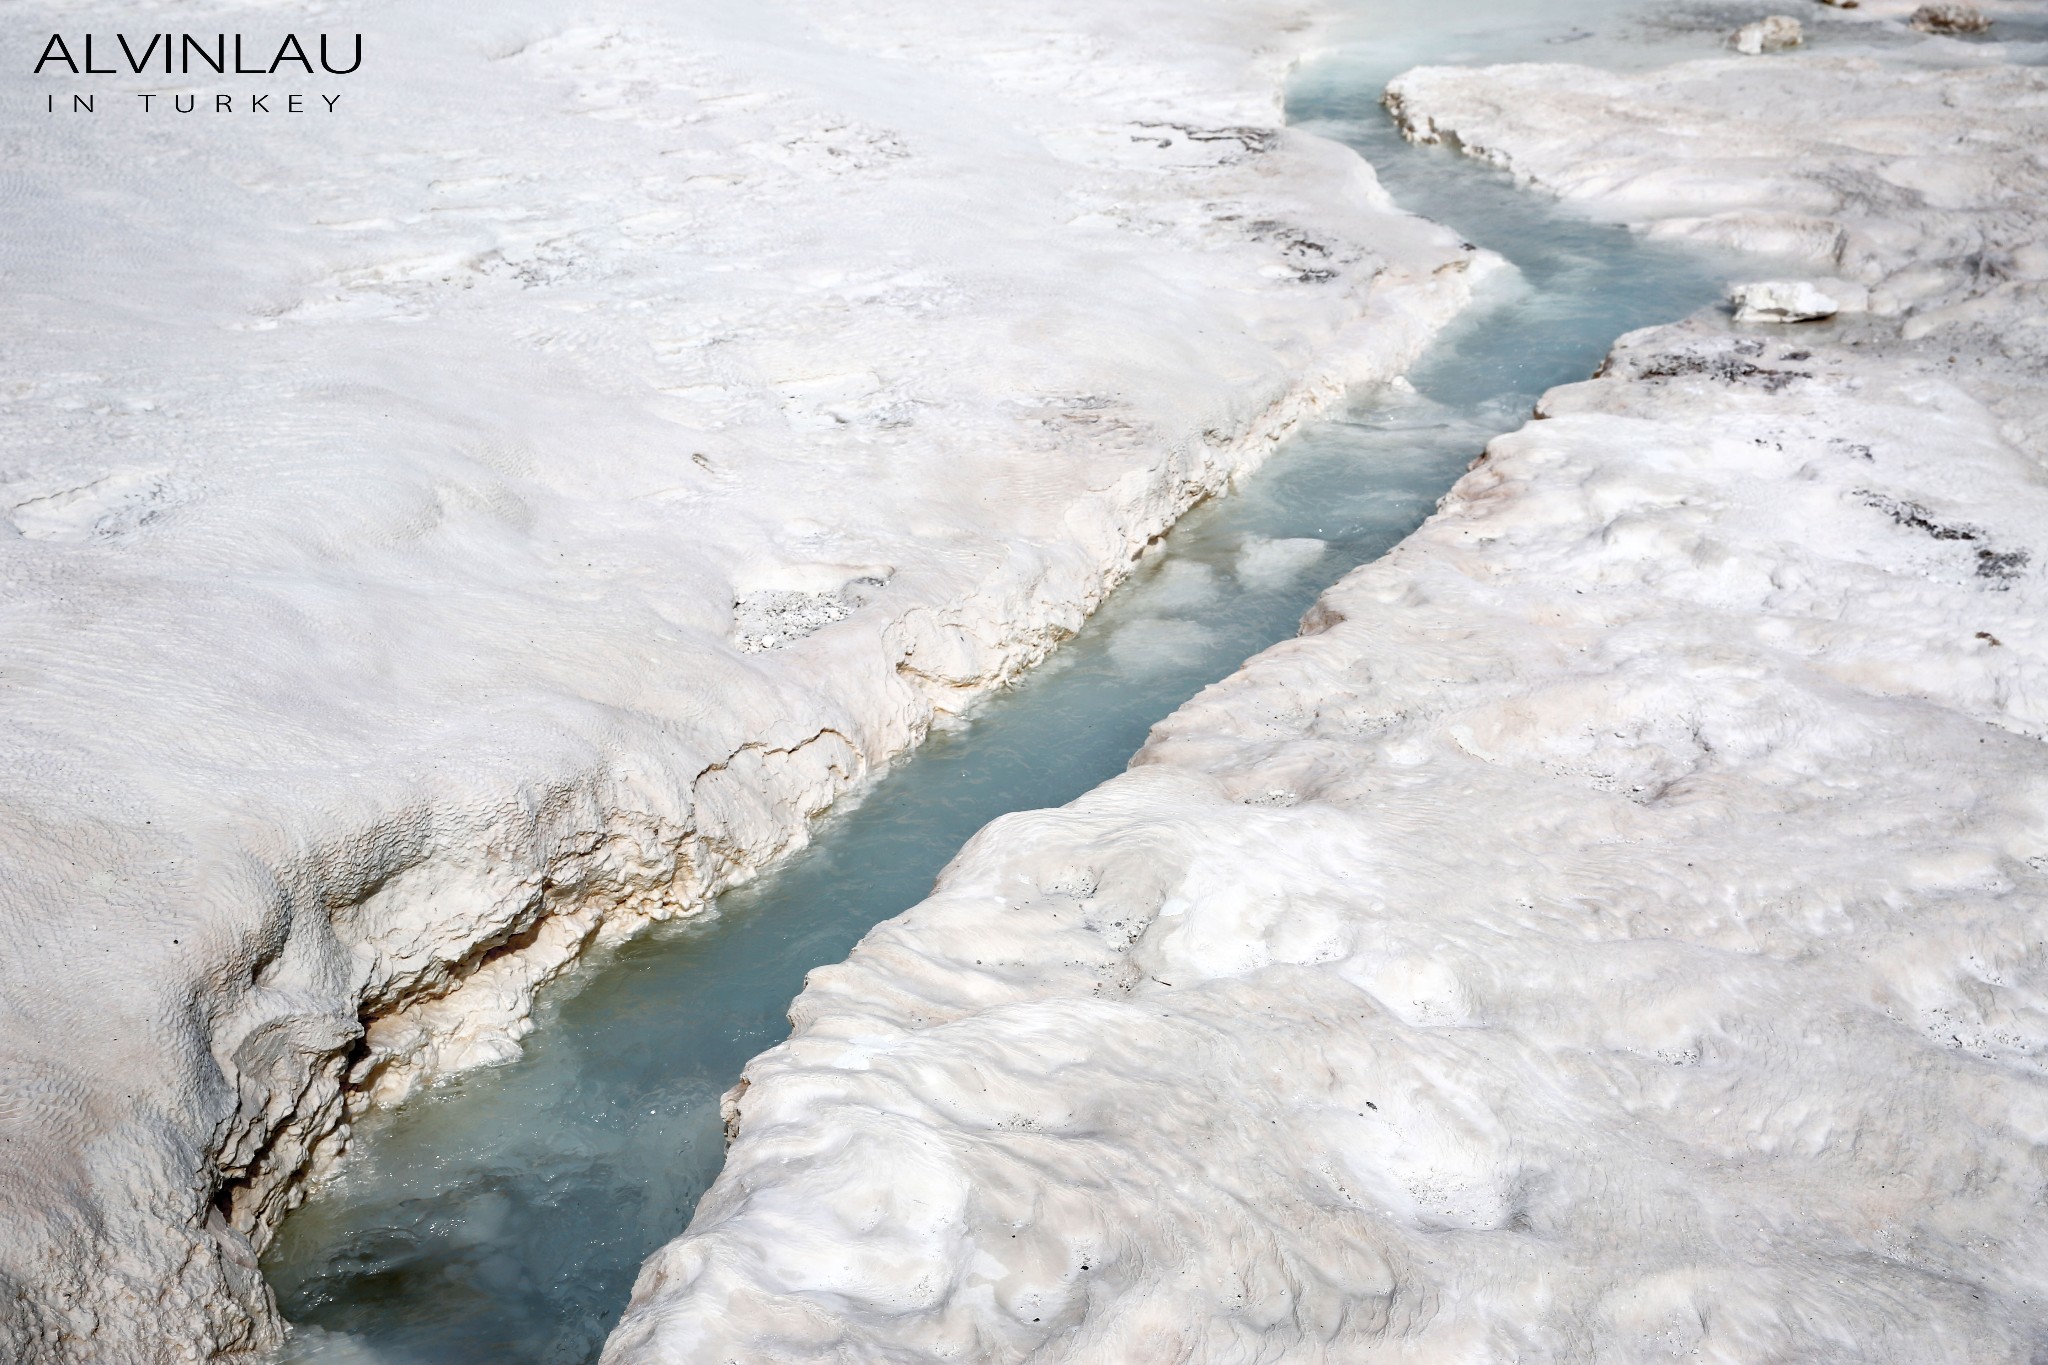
<point>1949,19</point>
<point>1782,301</point>
<point>1774,34</point>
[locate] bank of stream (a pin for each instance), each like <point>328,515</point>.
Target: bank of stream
<point>502,1217</point>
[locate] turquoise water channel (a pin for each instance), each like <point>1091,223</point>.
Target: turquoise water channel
<point>502,1217</point>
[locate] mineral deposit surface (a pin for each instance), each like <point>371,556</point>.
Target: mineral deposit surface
<point>1614,930</point>
<point>452,524</point>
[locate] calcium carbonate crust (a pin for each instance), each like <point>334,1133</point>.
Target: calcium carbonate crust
<point>450,532</point>
<point>1616,929</point>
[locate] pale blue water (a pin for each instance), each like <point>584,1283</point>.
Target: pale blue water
<point>502,1217</point>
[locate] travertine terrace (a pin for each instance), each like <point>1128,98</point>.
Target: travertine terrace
<point>1614,930</point>
<point>450,530</point>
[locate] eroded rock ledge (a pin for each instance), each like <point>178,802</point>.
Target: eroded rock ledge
<point>1614,929</point>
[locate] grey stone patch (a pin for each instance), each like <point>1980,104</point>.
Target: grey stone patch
<point>1248,139</point>
<point>109,509</point>
<point>2000,567</point>
<point>776,620</point>
<point>1728,366</point>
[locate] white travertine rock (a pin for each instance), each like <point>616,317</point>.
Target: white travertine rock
<point>1614,931</point>
<point>1920,183</point>
<point>1782,301</point>
<point>441,533</point>
<point>1775,34</point>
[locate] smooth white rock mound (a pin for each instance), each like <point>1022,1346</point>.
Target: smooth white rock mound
<point>1775,34</point>
<point>1782,301</point>
<point>1615,930</point>
<point>503,511</point>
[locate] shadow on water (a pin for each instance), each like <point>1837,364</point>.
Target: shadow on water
<point>502,1217</point>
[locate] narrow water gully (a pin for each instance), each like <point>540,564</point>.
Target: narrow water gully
<point>502,1217</point>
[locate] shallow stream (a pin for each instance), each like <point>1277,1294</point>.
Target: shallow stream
<point>502,1217</point>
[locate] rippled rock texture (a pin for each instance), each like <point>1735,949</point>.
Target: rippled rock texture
<point>1614,930</point>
